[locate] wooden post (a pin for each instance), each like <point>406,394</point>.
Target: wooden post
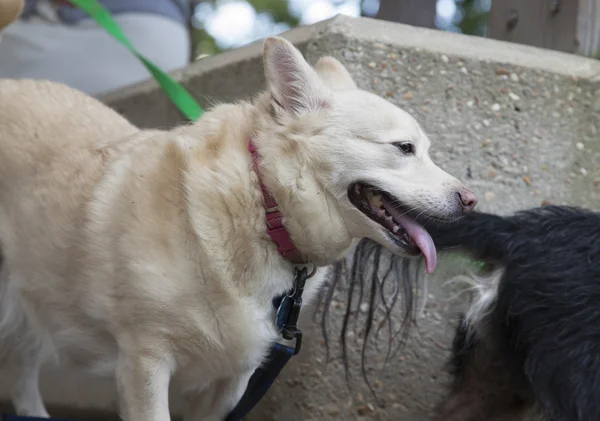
<point>572,26</point>
<point>588,28</point>
<point>412,12</point>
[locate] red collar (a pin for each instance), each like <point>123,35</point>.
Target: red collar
<point>275,229</point>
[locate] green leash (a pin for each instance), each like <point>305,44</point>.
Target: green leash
<point>177,93</point>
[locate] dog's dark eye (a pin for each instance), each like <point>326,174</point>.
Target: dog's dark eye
<point>406,148</point>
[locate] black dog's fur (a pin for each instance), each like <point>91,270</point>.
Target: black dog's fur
<point>538,347</point>
<point>540,343</point>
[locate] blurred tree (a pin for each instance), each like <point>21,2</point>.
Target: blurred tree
<point>473,17</point>
<point>204,44</point>
<point>411,12</point>
<point>279,9</point>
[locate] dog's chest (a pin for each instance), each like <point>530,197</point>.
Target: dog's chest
<point>242,347</point>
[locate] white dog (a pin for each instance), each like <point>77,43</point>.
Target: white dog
<point>144,254</point>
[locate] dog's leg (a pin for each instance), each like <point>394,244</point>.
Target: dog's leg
<point>25,394</point>
<point>214,403</point>
<point>484,387</point>
<point>143,387</point>
<point>19,349</point>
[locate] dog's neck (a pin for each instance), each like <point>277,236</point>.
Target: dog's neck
<point>225,163</point>
<point>274,219</point>
<point>288,173</point>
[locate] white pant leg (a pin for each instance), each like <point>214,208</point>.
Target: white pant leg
<point>84,56</point>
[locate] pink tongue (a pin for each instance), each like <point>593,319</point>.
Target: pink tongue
<point>419,236</point>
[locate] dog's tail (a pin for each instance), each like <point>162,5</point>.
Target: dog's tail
<point>481,235</point>
<point>10,10</point>
<point>502,239</point>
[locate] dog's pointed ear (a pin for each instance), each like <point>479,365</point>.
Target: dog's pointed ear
<point>295,86</point>
<point>334,74</point>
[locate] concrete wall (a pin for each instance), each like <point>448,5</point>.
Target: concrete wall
<point>518,124</point>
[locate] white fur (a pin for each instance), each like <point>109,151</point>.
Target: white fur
<point>483,292</point>
<point>486,291</point>
<point>144,255</point>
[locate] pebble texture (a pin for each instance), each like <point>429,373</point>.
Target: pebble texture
<point>519,125</point>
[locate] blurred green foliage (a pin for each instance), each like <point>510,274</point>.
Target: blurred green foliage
<point>470,19</point>
<point>204,43</point>
<point>473,21</point>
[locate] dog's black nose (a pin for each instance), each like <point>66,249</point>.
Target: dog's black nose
<point>467,200</point>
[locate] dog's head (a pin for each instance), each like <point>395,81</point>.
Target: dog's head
<point>354,165</point>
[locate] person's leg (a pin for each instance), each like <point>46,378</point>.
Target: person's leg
<point>86,57</point>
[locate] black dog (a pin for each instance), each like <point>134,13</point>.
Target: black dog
<point>535,344</point>
<point>531,341</point>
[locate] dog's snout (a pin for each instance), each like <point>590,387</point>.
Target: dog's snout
<point>467,200</point>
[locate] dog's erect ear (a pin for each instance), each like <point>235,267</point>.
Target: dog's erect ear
<point>334,74</point>
<point>291,80</point>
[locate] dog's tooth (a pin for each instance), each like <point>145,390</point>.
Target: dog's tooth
<point>357,188</point>
<point>376,201</point>
<point>381,213</point>
<point>395,229</point>
<point>389,219</point>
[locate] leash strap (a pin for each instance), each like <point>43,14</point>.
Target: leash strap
<point>261,380</point>
<point>177,93</point>
<point>287,317</point>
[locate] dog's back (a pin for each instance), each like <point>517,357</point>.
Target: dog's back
<point>537,343</point>
<point>50,136</point>
<point>51,130</point>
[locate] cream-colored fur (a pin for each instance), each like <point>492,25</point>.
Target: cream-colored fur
<point>143,254</point>
<point>482,290</point>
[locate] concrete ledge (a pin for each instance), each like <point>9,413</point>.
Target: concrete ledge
<point>226,77</point>
<point>240,80</point>
<point>466,47</point>
<point>518,124</point>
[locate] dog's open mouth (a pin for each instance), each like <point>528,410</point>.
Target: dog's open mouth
<point>402,229</point>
